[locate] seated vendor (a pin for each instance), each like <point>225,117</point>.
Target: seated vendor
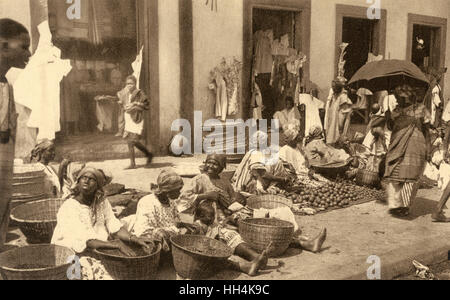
<point>42,154</point>
<point>289,118</point>
<point>86,222</point>
<point>57,184</point>
<point>157,217</point>
<point>318,153</point>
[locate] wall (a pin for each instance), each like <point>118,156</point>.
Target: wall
<point>169,68</point>
<point>19,10</point>
<point>215,35</point>
<point>323,33</point>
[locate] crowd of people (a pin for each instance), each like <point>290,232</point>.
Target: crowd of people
<point>400,126</point>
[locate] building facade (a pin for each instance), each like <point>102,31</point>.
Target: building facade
<point>184,40</point>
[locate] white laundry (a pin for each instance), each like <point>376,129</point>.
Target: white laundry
<point>312,106</point>
<point>38,86</point>
<point>137,66</point>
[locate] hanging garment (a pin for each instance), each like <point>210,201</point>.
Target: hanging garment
<point>257,103</point>
<point>221,97</point>
<point>263,52</point>
<point>436,101</point>
<point>312,116</point>
<point>70,98</point>
<point>45,71</point>
<point>104,110</point>
<point>233,102</point>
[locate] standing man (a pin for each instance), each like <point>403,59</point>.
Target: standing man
<point>14,53</point>
<point>337,110</point>
<point>134,102</point>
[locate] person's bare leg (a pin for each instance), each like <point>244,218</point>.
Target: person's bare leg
<point>312,245</point>
<point>257,261</point>
<point>438,215</point>
<point>132,157</point>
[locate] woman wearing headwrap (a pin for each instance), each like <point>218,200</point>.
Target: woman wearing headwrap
<point>276,172</point>
<point>86,222</point>
<point>157,216</point>
<point>210,186</point>
<point>319,153</point>
<point>43,153</point>
<point>409,150</point>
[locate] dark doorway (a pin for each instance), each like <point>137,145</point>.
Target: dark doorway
<point>426,47</point>
<point>359,34</point>
<point>279,26</point>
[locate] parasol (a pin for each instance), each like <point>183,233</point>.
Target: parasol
<point>388,74</point>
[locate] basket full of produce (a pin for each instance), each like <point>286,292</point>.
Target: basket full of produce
<point>37,219</point>
<point>141,266</point>
<point>36,262</point>
<point>259,233</point>
<point>268,202</point>
<point>198,257</point>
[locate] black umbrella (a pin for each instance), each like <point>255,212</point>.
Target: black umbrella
<point>388,74</point>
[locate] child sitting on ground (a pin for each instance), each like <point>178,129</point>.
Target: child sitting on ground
<point>206,224</point>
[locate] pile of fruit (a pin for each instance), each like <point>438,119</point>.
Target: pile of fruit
<point>333,195</point>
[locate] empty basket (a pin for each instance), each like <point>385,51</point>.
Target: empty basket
<point>37,219</point>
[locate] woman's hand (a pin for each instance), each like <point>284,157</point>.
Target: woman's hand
<point>122,248</point>
<point>162,237</point>
<point>144,243</point>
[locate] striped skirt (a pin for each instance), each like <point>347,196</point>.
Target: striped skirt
<point>6,176</point>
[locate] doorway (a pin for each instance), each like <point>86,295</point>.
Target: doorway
<point>101,46</point>
<point>359,34</point>
<point>426,51</point>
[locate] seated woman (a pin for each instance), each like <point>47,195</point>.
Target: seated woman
<point>289,118</point>
<point>43,153</point>
<point>57,184</point>
<point>319,153</point>
<point>157,216</point>
<point>86,222</point>
<point>210,186</point>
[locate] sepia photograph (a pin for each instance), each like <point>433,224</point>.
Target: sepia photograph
<point>224,145</point>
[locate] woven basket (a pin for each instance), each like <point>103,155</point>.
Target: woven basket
<point>28,180</point>
<point>37,219</point>
<point>56,257</point>
<point>258,233</point>
<point>131,268</point>
<point>268,202</point>
<point>192,264</point>
<point>367,178</point>
<point>332,170</point>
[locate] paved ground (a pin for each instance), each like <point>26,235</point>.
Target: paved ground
<point>354,234</point>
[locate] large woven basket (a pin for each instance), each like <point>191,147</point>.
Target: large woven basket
<point>332,170</point>
<point>268,202</point>
<point>131,268</point>
<point>367,178</point>
<point>259,233</point>
<point>37,219</point>
<point>28,181</point>
<point>48,262</point>
<point>190,263</point>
